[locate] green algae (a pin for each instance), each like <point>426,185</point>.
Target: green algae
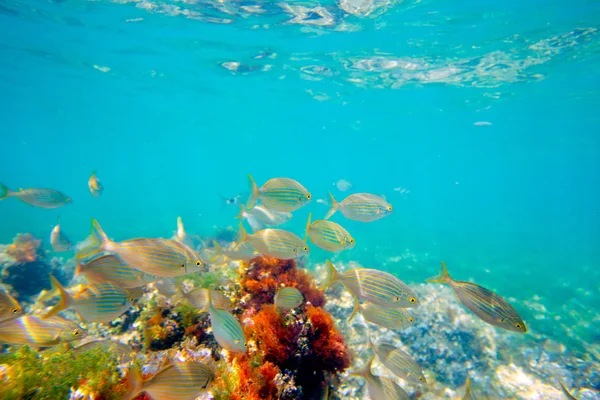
<point>51,375</point>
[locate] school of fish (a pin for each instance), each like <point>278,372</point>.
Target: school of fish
<point>115,272</point>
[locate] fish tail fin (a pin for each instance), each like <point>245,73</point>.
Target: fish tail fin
<point>443,276</point>
<point>180,228</point>
<point>468,385</point>
<point>218,251</point>
<point>334,206</point>
<point>64,301</point>
<point>307,228</point>
<point>95,242</point>
<point>365,370</point>
<point>243,235</point>
<point>4,192</point>
<point>354,309</point>
<point>78,268</point>
<point>98,233</point>
<point>242,213</point>
<point>133,383</point>
<point>331,276</point>
<point>253,192</point>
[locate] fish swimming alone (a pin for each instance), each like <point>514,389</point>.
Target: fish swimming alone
<point>59,241</point>
<point>276,243</point>
<point>9,307</point>
<point>364,207</point>
<point>279,194</point>
<point>100,302</point>
<point>178,381</point>
<point>162,257</point>
<point>226,328</point>
<point>37,332</point>
<point>95,185</point>
<point>328,235</point>
<point>373,285</point>
<point>484,303</point>
<point>43,198</point>
<point>287,298</point>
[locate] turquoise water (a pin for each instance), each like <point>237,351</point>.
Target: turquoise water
<point>487,114</point>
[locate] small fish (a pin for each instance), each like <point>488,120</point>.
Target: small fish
<point>343,185</point>
<point>100,302</point>
<point>39,332</point>
<point>95,185</point>
<point>392,390</point>
<point>9,307</point>
<point>43,198</point>
<point>240,252</point>
<point>108,268</point>
<point>362,207</point>
<point>162,257</point>
<point>231,201</point>
<point>199,298</point>
<point>59,241</point>
<point>372,285</point>
<point>275,243</point>
<point>566,391</point>
<point>487,305</point>
<point>287,298</point>
<point>468,395</point>
<point>259,217</point>
<point>390,318</point>
<point>374,384</point>
<point>181,236</point>
<point>226,328</point>
<point>178,381</point>
<point>328,235</point>
<point>400,363</point>
<point>279,194</point>
<point>122,350</point>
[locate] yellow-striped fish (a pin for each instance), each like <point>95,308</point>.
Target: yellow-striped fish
<point>226,328</point>
<point>199,298</point>
<point>390,318</point>
<point>279,194</point>
<point>43,198</point>
<point>121,350</point>
<point>38,332</point>
<point>378,387</point>
<point>9,307</point>
<point>484,303</point>
<point>400,363</point>
<point>108,268</point>
<point>95,185</point>
<point>275,243</point>
<point>179,381</point>
<point>468,395</point>
<point>240,252</point>
<point>287,298</point>
<point>328,235</point>
<point>362,207</point>
<point>162,257</point>
<point>59,241</point>
<point>372,285</point>
<point>99,302</point>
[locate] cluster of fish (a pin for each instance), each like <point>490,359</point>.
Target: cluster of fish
<point>116,271</point>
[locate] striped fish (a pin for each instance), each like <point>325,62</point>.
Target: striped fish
<point>9,307</point>
<point>95,185</point>
<point>199,298</point>
<point>362,207</point>
<point>278,194</point>
<point>374,384</point>
<point>240,252</point>
<point>328,235</point>
<point>400,363</point>
<point>390,318</point>
<point>287,298</point>
<point>259,217</point>
<point>484,303</point>
<point>162,257</point>
<point>392,391</point>
<point>43,198</point>
<point>59,241</point>
<point>372,285</point>
<point>226,328</point>
<point>179,381</point>
<point>38,332</point>
<point>108,268</point>
<point>275,243</point>
<point>99,302</point>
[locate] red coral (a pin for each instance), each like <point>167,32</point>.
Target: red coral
<point>254,383</point>
<point>265,275</point>
<point>327,343</point>
<point>25,248</point>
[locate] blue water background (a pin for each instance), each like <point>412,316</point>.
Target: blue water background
<point>143,96</point>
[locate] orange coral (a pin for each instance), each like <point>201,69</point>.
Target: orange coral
<point>25,248</point>
<point>253,382</point>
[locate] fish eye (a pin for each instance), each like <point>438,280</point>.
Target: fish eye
<point>389,208</point>
<point>412,300</point>
<point>421,379</point>
<point>198,263</point>
<point>182,265</point>
<point>411,319</point>
<point>518,325</point>
<point>131,298</point>
<point>295,250</point>
<point>305,248</point>
<point>76,332</point>
<point>351,240</point>
<point>15,310</point>
<point>308,196</point>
